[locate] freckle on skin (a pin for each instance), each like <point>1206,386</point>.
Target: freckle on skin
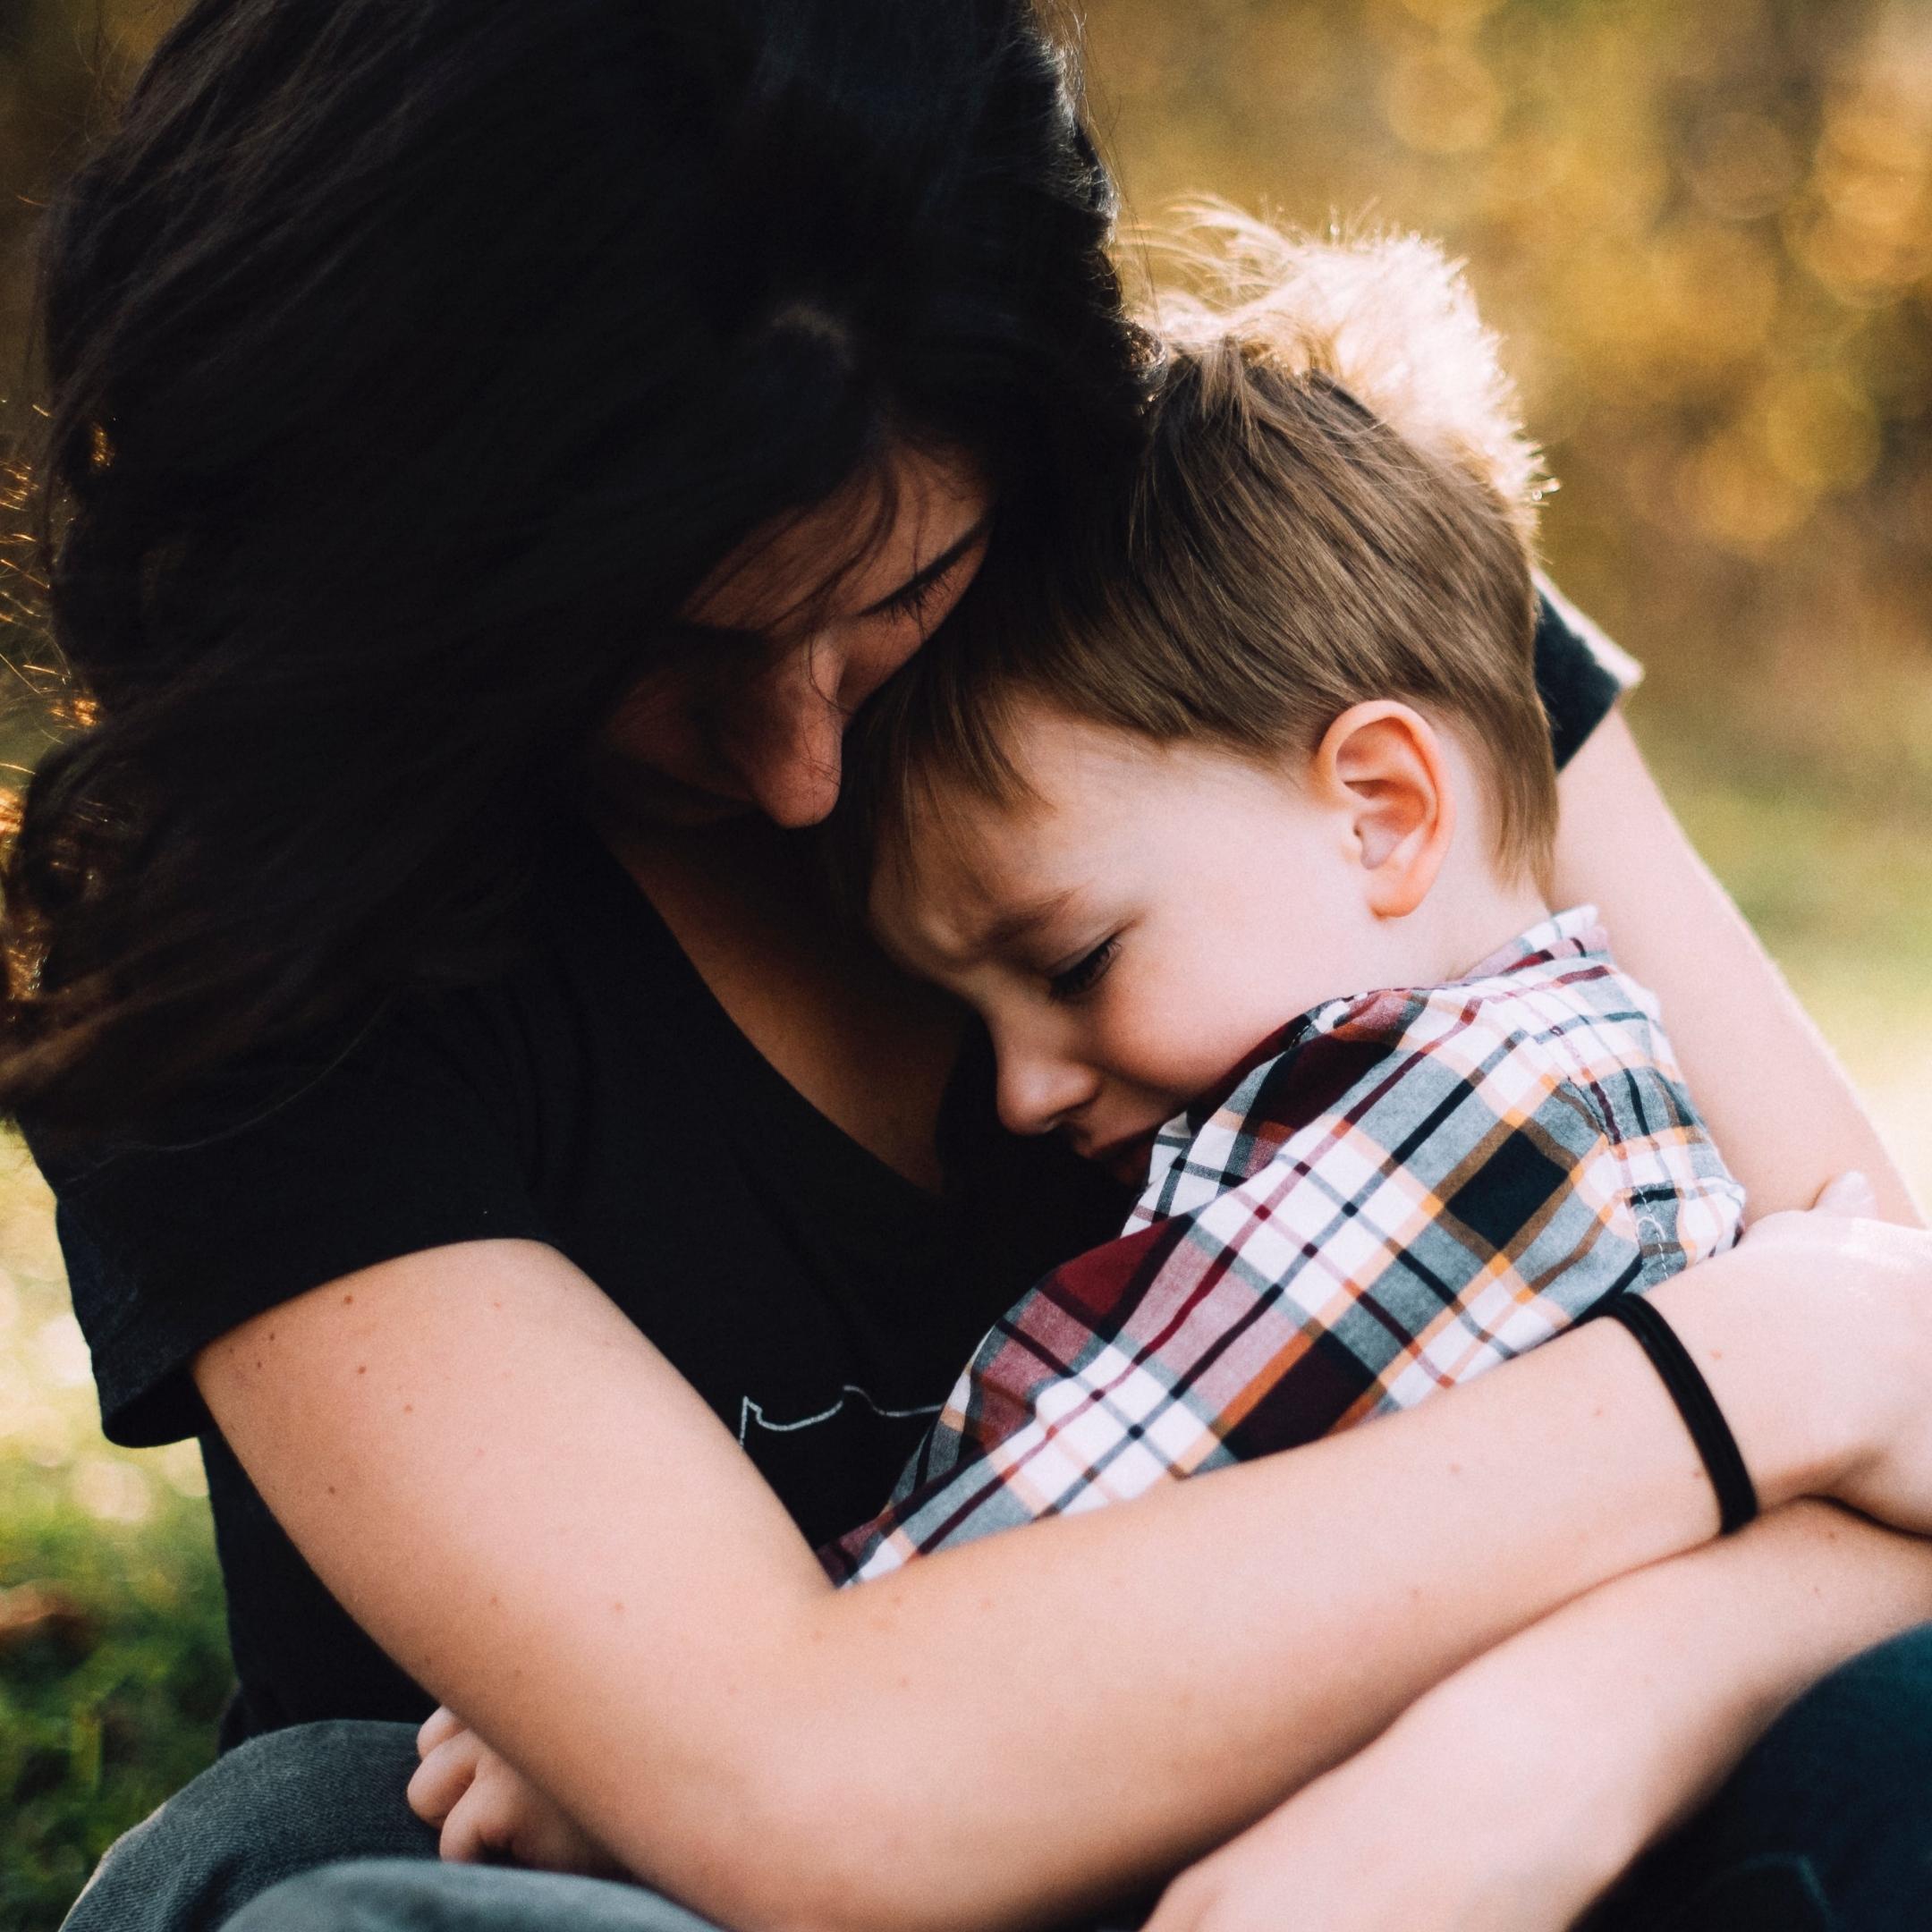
<point>409,1408</point>
<point>617,1608</point>
<point>332,1488</point>
<point>362,1367</point>
<point>347,1298</point>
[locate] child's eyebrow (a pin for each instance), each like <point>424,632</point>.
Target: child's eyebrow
<point>1018,922</point>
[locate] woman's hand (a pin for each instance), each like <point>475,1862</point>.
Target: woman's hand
<point>488,1812</point>
<point>1816,1336</point>
<point>1875,1341</point>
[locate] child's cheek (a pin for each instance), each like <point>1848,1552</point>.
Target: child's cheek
<point>1167,1029</point>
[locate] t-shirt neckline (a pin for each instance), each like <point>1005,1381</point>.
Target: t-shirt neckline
<point>867,1172</point>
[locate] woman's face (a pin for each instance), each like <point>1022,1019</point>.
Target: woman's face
<point>753,721</point>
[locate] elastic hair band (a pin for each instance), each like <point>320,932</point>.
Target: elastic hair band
<point>1737,1497</point>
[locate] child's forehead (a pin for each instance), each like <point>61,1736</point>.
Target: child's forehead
<point>959,861</point>
<point>967,868</point>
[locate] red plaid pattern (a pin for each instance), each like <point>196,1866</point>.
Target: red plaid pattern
<point>1396,1191</point>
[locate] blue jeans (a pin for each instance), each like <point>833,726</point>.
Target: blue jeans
<point>1826,1827</point>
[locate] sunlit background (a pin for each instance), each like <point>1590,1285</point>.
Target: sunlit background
<point>1707,233</point>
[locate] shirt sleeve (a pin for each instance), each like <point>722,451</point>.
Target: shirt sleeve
<point>293,1175</point>
<point>1444,1208</point>
<point>1579,672</point>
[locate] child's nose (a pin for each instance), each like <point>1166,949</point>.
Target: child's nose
<point>1038,1089</point>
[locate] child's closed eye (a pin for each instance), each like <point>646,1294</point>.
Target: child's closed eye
<point>1070,982</point>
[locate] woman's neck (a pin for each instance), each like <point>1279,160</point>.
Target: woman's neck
<point>750,905</point>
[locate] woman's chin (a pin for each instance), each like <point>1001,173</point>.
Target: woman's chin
<point>641,796</point>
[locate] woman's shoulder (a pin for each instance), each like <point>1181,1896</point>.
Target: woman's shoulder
<point>440,1118</point>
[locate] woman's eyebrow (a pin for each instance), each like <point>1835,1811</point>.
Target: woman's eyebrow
<point>932,572</point>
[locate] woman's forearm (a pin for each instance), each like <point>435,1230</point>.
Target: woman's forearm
<point>1597,1731</point>
<point>1514,1795</point>
<point>1778,1103</point>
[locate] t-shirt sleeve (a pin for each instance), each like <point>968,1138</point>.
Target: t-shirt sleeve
<point>293,1175</point>
<point>1581,674</point>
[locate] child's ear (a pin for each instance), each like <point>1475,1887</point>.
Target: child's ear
<point>1383,764</point>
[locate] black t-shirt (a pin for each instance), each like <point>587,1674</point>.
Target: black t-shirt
<point>595,1097</point>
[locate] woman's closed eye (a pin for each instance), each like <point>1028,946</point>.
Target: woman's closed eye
<point>913,599</point>
<point>1073,982</point>
<point>910,602</point>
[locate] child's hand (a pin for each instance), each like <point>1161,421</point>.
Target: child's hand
<point>488,1812</point>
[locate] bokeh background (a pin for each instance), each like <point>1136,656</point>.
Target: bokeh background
<point>1707,233</point>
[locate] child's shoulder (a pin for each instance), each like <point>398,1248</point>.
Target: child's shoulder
<point>1548,1024</point>
<point>1554,996</point>
<point>1544,1072</point>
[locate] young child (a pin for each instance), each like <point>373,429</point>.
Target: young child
<point>1238,839</point>
<point>1237,834</point>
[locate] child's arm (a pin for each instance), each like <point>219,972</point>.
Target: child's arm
<point>487,1811</point>
<point>1519,1791</point>
<point>1778,1104</point>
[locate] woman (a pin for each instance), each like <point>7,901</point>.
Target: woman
<point>495,447</point>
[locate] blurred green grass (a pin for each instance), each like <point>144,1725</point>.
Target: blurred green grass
<point>114,1656</point>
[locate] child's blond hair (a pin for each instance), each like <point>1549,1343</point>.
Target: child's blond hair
<point>1334,503</point>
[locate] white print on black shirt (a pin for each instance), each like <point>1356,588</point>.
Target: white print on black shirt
<point>750,1411</point>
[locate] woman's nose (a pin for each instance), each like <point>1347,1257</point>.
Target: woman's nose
<point>1040,1088</point>
<point>785,737</point>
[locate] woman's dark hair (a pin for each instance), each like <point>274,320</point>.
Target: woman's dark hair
<point>411,361</point>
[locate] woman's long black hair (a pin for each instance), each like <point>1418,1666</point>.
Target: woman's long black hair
<point>410,362</point>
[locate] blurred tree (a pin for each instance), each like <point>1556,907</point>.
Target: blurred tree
<point>1707,234</point>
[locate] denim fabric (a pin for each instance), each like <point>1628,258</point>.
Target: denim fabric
<point>282,1803</point>
<point>386,1895</point>
<point>1826,1827</point>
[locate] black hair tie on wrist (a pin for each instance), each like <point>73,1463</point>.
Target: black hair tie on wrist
<point>1737,1497</point>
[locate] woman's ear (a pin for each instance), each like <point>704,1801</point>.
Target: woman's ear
<point>1383,764</point>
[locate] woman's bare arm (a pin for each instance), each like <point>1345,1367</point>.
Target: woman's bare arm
<point>1778,1104</point>
<point>522,1502</point>
<point>1514,1795</point>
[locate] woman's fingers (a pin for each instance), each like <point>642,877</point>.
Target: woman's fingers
<point>1849,1194</point>
<point>445,1778</point>
<point>438,1727</point>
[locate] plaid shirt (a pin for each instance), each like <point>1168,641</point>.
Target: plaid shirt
<point>1396,1192</point>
